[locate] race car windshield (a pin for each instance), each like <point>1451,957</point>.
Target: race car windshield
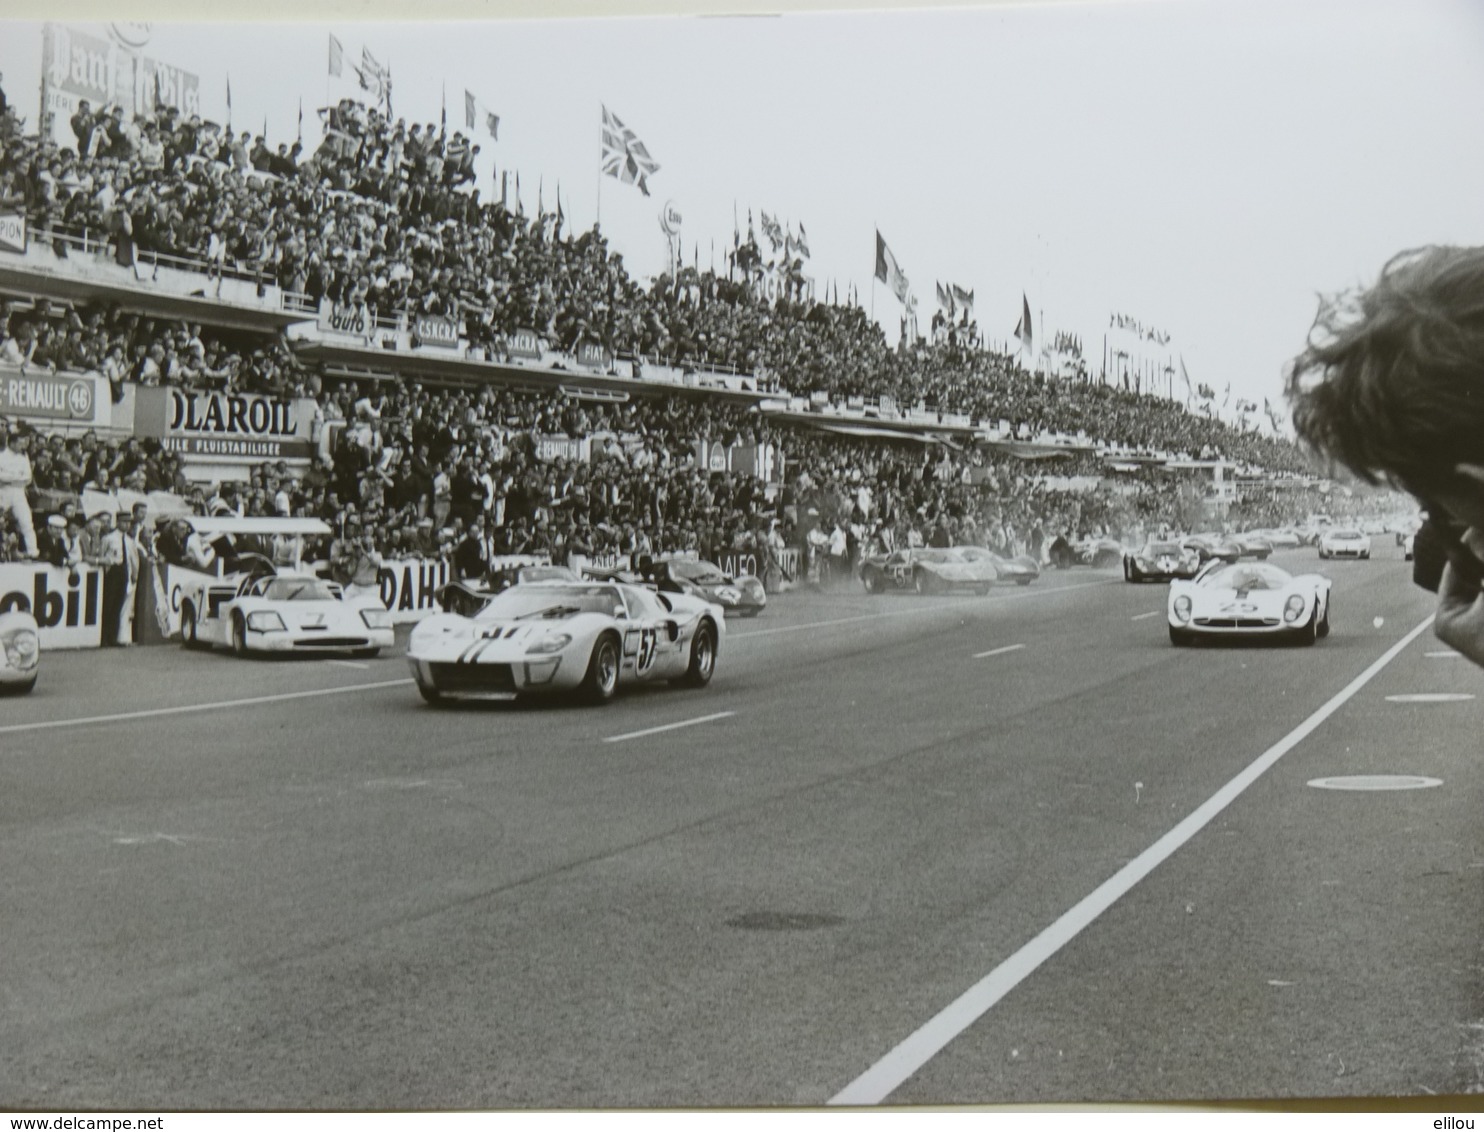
<point>552,601</point>
<point>1344,534</point>
<point>939,556</point>
<point>1164,548</point>
<point>298,589</point>
<point>1250,576</point>
<point>694,570</point>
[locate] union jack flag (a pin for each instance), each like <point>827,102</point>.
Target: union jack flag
<point>624,155</point>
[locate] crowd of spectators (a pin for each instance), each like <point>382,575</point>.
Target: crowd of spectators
<point>384,215</point>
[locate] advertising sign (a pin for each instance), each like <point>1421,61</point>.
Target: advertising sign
<point>13,232</point>
<point>344,318</point>
<point>594,356</point>
<point>561,448</point>
<point>409,587</point>
<point>525,344</point>
<point>67,604</point>
<point>55,397</point>
<point>225,426</point>
<point>434,330</point>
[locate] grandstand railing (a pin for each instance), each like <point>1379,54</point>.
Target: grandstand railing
<point>101,243</point>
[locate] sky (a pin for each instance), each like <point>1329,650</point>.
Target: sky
<point>1207,167</point>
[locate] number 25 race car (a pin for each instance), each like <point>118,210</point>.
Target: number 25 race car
<point>587,638</point>
<point>1249,599</point>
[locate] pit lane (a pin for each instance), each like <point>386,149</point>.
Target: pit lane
<point>346,898</point>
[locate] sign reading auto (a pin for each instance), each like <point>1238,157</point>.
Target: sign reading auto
<point>47,395</point>
<point>238,426</point>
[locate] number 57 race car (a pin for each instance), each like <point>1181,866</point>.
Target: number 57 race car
<point>587,638</point>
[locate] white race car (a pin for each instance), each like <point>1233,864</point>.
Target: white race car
<point>20,652</point>
<point>584,637</point>
<point>1344,542</point>
<point>1249,599</point>
<point>282,613</point>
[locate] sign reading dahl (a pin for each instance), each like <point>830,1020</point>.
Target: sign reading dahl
<point>240,426</point>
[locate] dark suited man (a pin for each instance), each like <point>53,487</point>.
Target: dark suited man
<point>471,558</point>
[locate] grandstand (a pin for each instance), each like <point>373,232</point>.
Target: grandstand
<point>355,334</point>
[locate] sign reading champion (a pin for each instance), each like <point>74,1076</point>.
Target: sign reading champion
<point>241,426</point>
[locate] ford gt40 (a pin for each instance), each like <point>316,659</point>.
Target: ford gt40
<point>926,570</point>
<point>583,638</point>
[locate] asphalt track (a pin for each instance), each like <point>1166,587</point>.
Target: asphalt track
<point>1011,849</point>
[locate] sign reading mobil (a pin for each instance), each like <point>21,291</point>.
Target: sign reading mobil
<point>67,604</point>
<point>50,396</point>
<point>13,232</point>
<point>225,426</point>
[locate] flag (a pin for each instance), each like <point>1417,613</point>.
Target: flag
<point>773,230</point>
<point>945,298</point>
<point>624,155</point>
<point>1226,398</point>
<point>469,116</point>
<point>374,77</point>
<point>1023,329</point>
<point>560,215</point>
<point>492,124</point>
<point>337,57</point>
<point>229,102</point>
<point>443,108</point>
<point>963,300</point>
<point>802,242</point>
<point>888,272</point>
<point>301,119</point>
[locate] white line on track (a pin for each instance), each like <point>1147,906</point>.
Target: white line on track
<point>1446,654</point>
<point>669,726</point>
<point>879,1081</point>
<point>348,663</point>
<point>910,608</point>
<point>189,708</point>
<point>1142,616</point>
<point>997,652</point>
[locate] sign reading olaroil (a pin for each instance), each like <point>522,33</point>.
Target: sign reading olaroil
<point>225,426</point>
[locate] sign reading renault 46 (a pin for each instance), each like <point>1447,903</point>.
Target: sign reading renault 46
<point>233,426</point>
<point>50,396</point>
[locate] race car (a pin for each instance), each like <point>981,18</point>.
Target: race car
<point>1344,542</point>
<point>1084,552</point>
<point>278,613</point>
<point>1249,599</point>
<point>1252,545</point>
<point>1212,546</point>
<point>587,638</point>
<point>743,595</point>
<point>1160,560</point>
<point>1021,569</point>
<point>926,570</point>
<point>20,652</point>
<point>503,577</point>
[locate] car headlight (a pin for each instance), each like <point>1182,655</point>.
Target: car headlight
<point>265,621</point>
<point>1182,607</point>
<point>21,648</point>
<point>377,618</point>
<point>1293,608</point>
<point>729,595</point>
<point>554,643</point>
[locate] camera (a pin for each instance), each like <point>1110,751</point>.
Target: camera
<point>1439,541</point>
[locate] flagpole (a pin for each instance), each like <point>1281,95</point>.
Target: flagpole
<point>599,220</point>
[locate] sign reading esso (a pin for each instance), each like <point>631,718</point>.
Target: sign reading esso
<point>670,218</point>
<point>67,604</point>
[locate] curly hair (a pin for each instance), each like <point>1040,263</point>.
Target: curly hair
<point>1392,382</point>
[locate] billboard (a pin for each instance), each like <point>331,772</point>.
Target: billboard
<point>50,396</point>
<point>225,426</point>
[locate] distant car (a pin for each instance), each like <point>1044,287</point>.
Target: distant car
<point>1249,599</point>
<point>1344,542</point>
<point>504,577</point>
<point>926,570</point>
<point>1160,560</point>
<point>1281,538</point>
<point>741,596</point>
<point>587,638</point>
<point>1063,553</point>
<point>1250,544</point>
<point>1212,545</point>
<point>1021,569</point>
<point>20,652</point>
<point>282,613</point>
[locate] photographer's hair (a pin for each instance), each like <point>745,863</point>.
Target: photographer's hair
<point>1392,382</point>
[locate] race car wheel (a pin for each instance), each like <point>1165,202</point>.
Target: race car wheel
<point>1323,630</point>
<point>188,638</point>
<point>239,635</point>
<point>702,657</point>
<point>1023,581</point>
<point>601,680</point>
<point>922,583</point>
<point>982,591</point>
<point>1181,638</point>
<point>1310,632</point>
<point>17,689</point>
<point>869,582</point>
<point>366,654</point>
<point>429,693</point>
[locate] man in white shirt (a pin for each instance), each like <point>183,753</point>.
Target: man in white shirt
<point>15,477</point>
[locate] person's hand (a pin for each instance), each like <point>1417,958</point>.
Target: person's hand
<point>1460,613</point>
